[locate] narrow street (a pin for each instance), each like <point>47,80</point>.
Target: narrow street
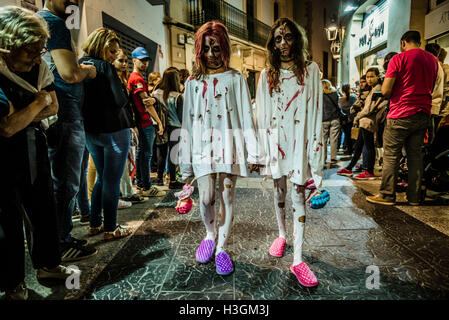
<point>408,245</point>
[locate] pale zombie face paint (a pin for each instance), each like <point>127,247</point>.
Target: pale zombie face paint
<point>212,52</point>
<point>283,40</point>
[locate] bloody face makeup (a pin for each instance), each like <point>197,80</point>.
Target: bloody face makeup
<point>283,41</point>
<point>212,52</point>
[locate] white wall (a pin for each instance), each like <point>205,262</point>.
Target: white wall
<point>136,14</point>
<point>264,10</point>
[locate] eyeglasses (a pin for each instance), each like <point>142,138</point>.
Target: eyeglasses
<point>34,54</point>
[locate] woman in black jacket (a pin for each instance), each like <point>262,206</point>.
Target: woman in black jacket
<point>107,124</point>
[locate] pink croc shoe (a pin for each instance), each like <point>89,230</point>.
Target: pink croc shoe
<point>277,248</point>
<point>304,275</point>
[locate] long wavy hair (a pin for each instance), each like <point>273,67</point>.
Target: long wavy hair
<point>218,30</point>
<point>169,83</point>
<point>300,54</point>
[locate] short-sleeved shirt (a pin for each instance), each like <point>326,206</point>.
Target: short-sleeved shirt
<point>70,96</point>
<point>4,104</point>
<point>415,71</point>
<point>136,85</point>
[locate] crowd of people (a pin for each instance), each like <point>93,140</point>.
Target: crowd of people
<point>391,117</point>
<point>81,132</point>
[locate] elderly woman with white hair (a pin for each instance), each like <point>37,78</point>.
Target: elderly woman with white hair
<point>331,119</point>
<point>27,97</point>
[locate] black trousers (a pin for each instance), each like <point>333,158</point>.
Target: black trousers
<point>163,150</point>
<point>347,131</point>
<point>32,204</point>
<point>365,138</point>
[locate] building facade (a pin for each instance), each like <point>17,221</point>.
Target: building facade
<point>314,17</point>
<point>248,23</point>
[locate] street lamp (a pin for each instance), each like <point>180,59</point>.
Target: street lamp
<point>331,32</point>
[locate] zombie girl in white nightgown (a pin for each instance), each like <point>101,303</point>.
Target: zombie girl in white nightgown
<point>218,137</point>
<point>289,115</point>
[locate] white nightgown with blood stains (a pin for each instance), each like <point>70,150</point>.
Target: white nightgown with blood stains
<point>289,126</point>
<point>218,133</point>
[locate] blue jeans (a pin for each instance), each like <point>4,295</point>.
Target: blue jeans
<point>66,144</point>
<point>144,154</point>
<point>109,152</point>
<point>83,197</point>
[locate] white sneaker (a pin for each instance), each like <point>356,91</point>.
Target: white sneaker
<point>124,204</point>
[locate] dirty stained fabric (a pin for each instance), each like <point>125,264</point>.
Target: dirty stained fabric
<point>218,133</point>
<point>289,126</point>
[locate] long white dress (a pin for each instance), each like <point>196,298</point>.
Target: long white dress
<point>218,133</point>
<point>289,125</point>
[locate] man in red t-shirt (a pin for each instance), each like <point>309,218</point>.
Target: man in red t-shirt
<point>409,84</point>
<point>144,105</point>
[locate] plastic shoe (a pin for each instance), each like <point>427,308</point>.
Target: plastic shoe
<point>277,248</point>
<point>345,172</point>
<point>62,273</point>
<point>310,184</point>
<point>304,275</point>
<point>205,251</point>
<point>223,264</point>
<point>365,176</point>
<point>319,201</point>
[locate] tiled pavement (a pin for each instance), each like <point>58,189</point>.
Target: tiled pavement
<point>341,241</point>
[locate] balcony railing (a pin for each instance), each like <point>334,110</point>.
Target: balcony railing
<point>238,22</point>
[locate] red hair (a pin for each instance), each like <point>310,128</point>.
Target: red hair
<point>219,31</point>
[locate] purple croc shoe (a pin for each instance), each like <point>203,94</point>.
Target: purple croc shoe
<point>205,251</point>
<point>224,264</point>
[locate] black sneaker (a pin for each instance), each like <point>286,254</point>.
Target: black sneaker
<point>135,198</point>
<point>158,182</point>
<point>175,185</point>
<point>75,252</point>
<point>85,219</point>
<point>80,242</point>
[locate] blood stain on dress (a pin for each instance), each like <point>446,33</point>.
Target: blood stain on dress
<point>290,102</point>
<point>215,84</point>
<point>204,88</point>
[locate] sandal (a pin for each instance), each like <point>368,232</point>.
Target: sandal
<point>94,231</point>
<point>119,232</point>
